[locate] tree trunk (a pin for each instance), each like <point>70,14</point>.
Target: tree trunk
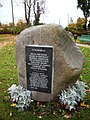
<point>85,25</point>
<point>27,14</point>
<point>12,12</point>
<point>36,14</point>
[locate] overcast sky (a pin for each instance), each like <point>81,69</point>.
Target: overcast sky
<point>58,11</point>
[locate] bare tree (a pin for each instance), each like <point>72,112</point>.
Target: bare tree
<point>38,9</point>
<point>34,6</point>
<point>27,7</point>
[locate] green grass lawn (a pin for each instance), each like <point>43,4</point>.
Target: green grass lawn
<point>9,76</point>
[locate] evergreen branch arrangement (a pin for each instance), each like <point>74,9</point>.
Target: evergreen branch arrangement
<point>69,97</point>
<point>20,96</point>
<point>73,95</point>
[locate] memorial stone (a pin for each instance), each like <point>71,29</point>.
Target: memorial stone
<point>65,69</point>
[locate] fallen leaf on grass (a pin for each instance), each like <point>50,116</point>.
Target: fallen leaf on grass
<point>40,113</point>
<point>10,114</point>
<point>7,97</point>
<point>68,116</point>
<point>40,117</point>
<point>9,49</point>
<point>11,78</point>
<point>88,90</point>
<point>13,105</point>
<point>84,105</point>
<point>55,114</point>
<point>15,67</point>
<point>79,116</point>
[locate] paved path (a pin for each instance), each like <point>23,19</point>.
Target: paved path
<point>83,45</point>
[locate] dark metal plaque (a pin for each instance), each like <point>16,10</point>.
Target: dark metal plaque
<point>39,60</point>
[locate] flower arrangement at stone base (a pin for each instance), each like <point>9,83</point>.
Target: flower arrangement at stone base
<point>70,97</point>
<point>20,97</point>
<point>73,95</point>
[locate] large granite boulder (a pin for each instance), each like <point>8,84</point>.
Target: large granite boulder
<point>68,59</point>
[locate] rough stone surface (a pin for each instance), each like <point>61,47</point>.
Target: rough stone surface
<point>68,59</point>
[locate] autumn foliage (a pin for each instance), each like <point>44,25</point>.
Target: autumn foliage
<point>10,29</point>
<point>78,27</point>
